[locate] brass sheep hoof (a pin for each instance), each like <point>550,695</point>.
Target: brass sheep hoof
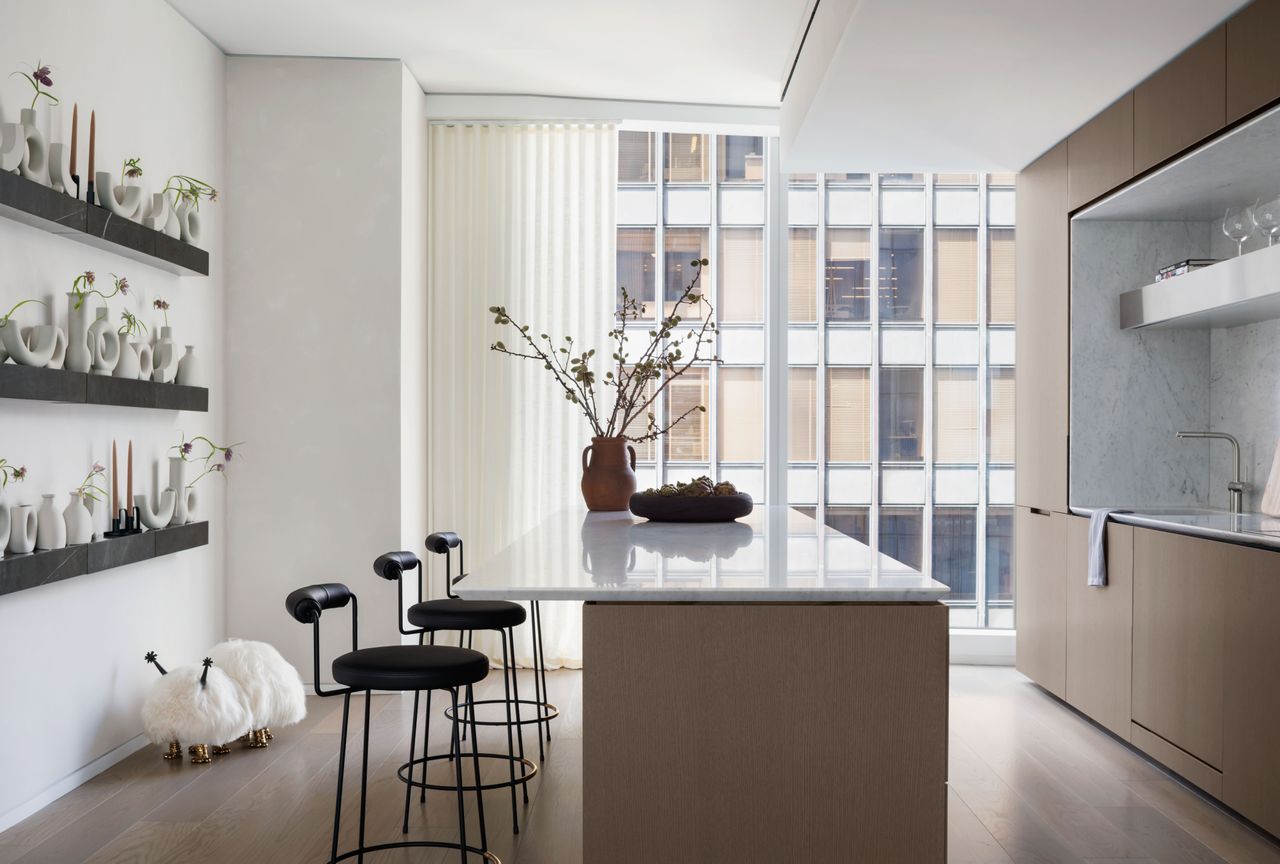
<point>175,751</point>
<point>258,739</point>
<point>267,732</point>
<point>201,755</point>
<point>220,750</point>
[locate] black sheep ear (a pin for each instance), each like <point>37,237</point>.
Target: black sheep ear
<point>151,658</point>
<point>208,661</point>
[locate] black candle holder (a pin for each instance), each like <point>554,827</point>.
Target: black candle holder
<point>125,523</point>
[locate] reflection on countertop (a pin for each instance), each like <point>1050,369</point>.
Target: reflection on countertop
<point>1247,529</point>
<point>775,554</point>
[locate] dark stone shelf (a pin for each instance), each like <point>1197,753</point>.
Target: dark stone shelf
<point>20,572</point>
<point>32,204</point>
<point>59,385</point>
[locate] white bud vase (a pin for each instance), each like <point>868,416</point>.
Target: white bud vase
<point>79,521</point>
<point>35,347</point>
<point>189,368</point>
<point>13,146</point>
<point>35,164</point>
<point>178,486</point>
<point>4,525</point>
<point>79,357</point>
<point>144,360</point>
<point>189,223</point>
<point>22,529</point>
<point>59,350</point>
<point>104,342</point>
<point>51,531</point>
<point>128,367</point>
<point>164,358</point>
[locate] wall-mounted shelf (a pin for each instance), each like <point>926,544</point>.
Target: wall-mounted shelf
<point>1237,291</point>
<point>32,204</point>
<point>59,385</point>
<point>20,572</point>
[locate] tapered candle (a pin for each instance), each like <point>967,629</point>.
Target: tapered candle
<point>75,124</point>
<point>115,474</point>
<point>128,495</point>
<point>93,136</point>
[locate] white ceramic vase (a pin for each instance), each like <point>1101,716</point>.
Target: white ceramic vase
<point>51,530</point>
<point>104,343</point>
<point>79,355</point>
<point>13,146</point>
<point>60,169</point>
<point>4,525</point>
<point>159,517</point>
<point>161,217</point>
<point>35,164</point>
<point>189,223</point>
<point>59,350</point>
<point>22,529</point>
<point>128,367</point>
<point>189,369</point>
<point>36,349</point>
<point>178,486</point>
<point>78,521</point>
<point>164,357</point>
<point>121,200</point>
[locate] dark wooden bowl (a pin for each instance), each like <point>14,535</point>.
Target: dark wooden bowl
<point>679,508</point>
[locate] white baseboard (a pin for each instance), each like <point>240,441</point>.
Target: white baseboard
<point>71,781</point>
<point>982,647</point>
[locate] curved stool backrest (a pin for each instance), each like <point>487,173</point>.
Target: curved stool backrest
<point>307,604</point>
<point>440,543</point>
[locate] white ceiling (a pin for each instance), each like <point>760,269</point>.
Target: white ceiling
<point>959,85</point>
<point>882,85</point>
<point>732,52</point>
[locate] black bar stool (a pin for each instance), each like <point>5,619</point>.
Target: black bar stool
<point>467,616</point>
<point>397,668</point>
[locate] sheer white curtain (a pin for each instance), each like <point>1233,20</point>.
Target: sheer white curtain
<point>521,216</point>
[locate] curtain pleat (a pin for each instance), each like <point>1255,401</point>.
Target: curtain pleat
<point>521,216</point>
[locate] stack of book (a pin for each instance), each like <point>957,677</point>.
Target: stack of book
<point>1183,267</point>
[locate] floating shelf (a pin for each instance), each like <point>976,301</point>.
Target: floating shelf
<point>1237,291</point>
<point>59,385</point>
<point>40,206</point>
<point>21,572</point>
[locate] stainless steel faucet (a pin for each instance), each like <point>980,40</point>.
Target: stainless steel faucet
<point>1235,487</point>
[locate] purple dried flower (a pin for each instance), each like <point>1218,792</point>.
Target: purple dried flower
<point>122,285</point>
<point>88,276</point>
<point>98,468</point>
<point>219,467</point>
<point>226,454</point>
<point>186,448</point>
<point>161,304</point>
<point>42,75</point>
<point>21,473</point>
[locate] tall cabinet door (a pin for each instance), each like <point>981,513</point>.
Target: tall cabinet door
<point>1251,681</point>
<point>1041,299</point>
<point>1041,551</point>
<point>1182,103</point>
<point>1253,75</point>
<point>1179,599</point>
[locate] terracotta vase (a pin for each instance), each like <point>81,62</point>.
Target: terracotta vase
<point>608,476</point>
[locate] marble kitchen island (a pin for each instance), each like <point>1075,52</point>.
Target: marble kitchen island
<point>758,691</point>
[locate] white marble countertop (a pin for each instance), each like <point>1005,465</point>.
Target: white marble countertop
<point>774,555</point>
<point>1247,529</point>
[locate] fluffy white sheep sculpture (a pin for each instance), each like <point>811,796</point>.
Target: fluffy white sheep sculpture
<point>273,691</point>
<point>192,705</point>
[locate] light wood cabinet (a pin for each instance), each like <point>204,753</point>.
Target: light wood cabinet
<point>1041,546</point>
<point>1182,103</point>
<point>1251,684</point>
<point>1100,627</point>
<point>1179,605</point>
<point>1041,300</point>
<point>1253,76</point>
<point>1100,153</point>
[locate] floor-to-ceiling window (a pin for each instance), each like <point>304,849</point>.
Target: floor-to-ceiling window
<point>898,389</point>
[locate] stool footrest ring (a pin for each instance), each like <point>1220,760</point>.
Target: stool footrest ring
<point>528,766</point>
<point>411,844</point>
<point>546,712</point>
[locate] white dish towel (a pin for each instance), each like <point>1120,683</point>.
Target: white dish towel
<point>1098,545</point>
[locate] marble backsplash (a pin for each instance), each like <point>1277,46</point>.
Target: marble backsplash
<point>1131,391</point>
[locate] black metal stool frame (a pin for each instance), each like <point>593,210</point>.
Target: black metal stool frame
<point>311,614</point>
<point>392,566</point>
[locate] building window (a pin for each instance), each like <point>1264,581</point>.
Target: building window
<point>898,293</point>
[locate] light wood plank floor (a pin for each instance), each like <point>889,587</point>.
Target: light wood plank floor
<point>1031,783</point>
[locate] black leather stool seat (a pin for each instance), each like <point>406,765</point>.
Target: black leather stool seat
<point>410,667</point>
<point>466,614</point>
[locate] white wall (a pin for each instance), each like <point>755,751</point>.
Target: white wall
<point>73,675</point>
<point>320,299</point>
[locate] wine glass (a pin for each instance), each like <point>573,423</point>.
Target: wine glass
<point>1236,224</point>
<point>1266,218</point>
